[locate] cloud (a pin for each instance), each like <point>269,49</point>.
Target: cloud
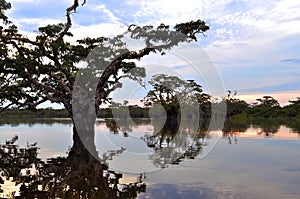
<point>98,30</point>
<point>228,19</point>
<point>261,78</point>
<point>32,24</point>
<point>291,61</point>
<point>165,11</point>
<point>283,97</point>
<point>38,9</point>
<point>107,12</point>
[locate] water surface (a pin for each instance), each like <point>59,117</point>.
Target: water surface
<point>251,162</point>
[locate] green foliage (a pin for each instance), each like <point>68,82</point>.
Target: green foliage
<point>268,108</point>
<point>138,112</point>
<point>268,101</point>
<point>234,106</point>
<point>169,91</point>
<point>192,28</point>
<point>240,118</point>
<point>3,7</point>
<point>293,109</point>
<point>23,114</point>
<point>178,97</point>
<point>265,112</point>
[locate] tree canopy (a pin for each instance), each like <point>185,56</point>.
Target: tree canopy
<point>171,90</point>
<point>268,101</point>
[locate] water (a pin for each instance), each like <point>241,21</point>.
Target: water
<point>245,162</point>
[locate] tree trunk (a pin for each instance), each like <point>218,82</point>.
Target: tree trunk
<point>83,142</point>
<point>83,116</point>
<point>86,169</point>
<point>173,117</point>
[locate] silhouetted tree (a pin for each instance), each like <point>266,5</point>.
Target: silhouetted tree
<point>268,101</point>
<point>235,106</point>
<point>171,93</point>
<point>293,109</point>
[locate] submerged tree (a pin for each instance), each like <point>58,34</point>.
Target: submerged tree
<point>174,95</point>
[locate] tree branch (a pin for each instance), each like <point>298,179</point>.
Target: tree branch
<point>69,10</point>
<point>6,107</point>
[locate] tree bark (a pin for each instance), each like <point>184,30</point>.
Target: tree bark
<point>173,116</point>
<point>83,141</point>
<point>86,168</point>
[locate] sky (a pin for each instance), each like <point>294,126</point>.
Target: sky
<point>253,45</point>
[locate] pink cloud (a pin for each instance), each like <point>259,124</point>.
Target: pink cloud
<point>283,97</point>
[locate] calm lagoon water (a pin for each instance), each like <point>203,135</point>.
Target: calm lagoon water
<point>248,163</point>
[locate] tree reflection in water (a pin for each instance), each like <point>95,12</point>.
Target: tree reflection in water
<point>231,128</point>
<point>171,143</point>
<point>79,175</point>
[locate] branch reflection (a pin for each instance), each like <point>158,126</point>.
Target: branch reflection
<point>79,175</point>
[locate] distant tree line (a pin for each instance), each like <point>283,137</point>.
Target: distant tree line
<point>266,107</point>
<point>15,113</point>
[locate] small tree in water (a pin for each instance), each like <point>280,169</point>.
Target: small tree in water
<point>173,94</point>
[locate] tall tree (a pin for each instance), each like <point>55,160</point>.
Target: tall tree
<point>45,69</point>
<point>33,71</point>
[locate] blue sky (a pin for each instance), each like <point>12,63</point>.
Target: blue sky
<point>254,44</point>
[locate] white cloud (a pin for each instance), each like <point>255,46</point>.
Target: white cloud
<point>36,22</point>
<point>105,10</point>
<point>103,29</point>
<point>256,24</point>
<point>166,11</point>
